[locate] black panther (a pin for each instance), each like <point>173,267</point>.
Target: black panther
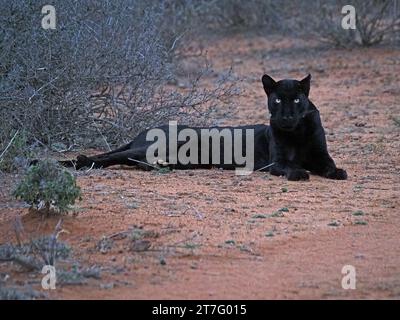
<point>292,145</point>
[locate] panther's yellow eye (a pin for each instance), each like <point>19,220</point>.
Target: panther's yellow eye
<point>278,100</point>
<point>296,100</point>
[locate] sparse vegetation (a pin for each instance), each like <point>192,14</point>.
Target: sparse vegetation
<point>277,214</point>
<point>361,222</point>
<point>78,275</point>
<point>105,245</point>
<point>230,242</point>
<point>17,293</point>
<point>32,255</point>
<point>376,22</point>
<point>108,71</point>
<point>36,253</point>
<point>163,170</point>
<point>259,216</point>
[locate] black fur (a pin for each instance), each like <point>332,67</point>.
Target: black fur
<point>295,140</point>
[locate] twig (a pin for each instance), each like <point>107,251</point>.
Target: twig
<point>121,233</point>
<point>91,167</point>
<point>18,229</point>
<point>267,166</point>
<point>176,40</point>
<point>8,146</point>
<point>45,85</point>
<point>147,164</point>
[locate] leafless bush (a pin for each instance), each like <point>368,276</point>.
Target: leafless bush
<point>102,76</point>
<point>227,14</point>
<point>377,21</point>
<point>36,253</point>
<point>18,293</point>
<point>32,254</point>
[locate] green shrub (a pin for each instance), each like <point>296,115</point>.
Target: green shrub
<point>48,186</point>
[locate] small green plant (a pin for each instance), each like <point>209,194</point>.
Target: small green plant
<point>47,186</point>
<point>191,246</point>
<point>361,222</point>
<point>259,216</point>
<point>230,241</point>
<point>164,170</point>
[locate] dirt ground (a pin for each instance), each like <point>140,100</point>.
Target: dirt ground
<point>208,234</point>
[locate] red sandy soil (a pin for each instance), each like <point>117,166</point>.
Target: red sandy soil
<point>208,234</point>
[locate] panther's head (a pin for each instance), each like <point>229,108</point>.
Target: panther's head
<point>287,101</point>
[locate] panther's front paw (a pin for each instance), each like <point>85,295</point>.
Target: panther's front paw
<point>297,174</point>
<point>337,174</point>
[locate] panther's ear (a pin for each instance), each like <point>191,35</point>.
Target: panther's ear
<point>268,83</point>
<point>305,84</point>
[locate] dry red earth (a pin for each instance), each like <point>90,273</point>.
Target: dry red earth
<point>209,234</point>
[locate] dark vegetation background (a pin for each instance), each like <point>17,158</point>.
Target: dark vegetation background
<point>113,68</point>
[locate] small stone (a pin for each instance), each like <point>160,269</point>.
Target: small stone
<point>107,286</point>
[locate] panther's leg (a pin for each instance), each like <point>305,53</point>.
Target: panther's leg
<point>286,162</point>
<point>323,165</point>
<point>106,154</point>
<point>291,171</point>
<point>127,157</point>
<point>278,169</point>
<point>318,160</point>
<point>83,159</point>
